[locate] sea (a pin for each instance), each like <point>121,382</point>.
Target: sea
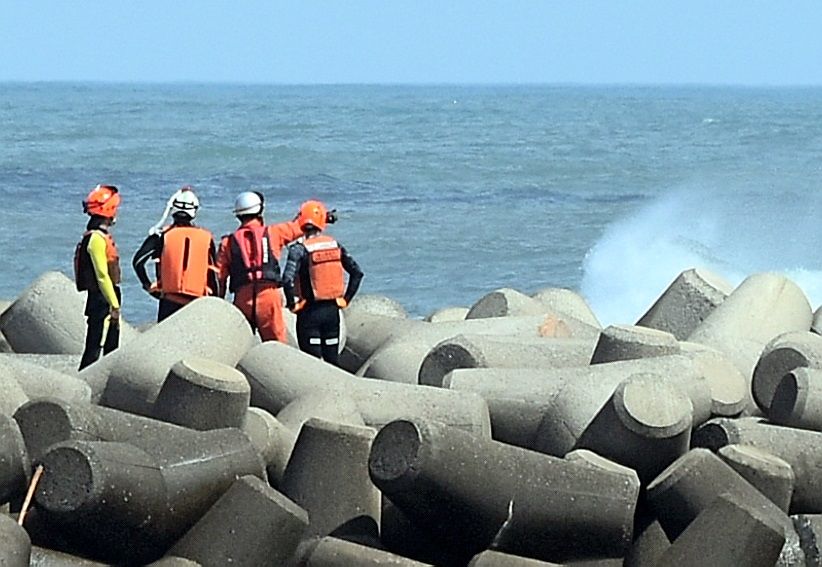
<point>445,193</point>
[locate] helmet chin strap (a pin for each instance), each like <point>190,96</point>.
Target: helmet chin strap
<point>157,228</point>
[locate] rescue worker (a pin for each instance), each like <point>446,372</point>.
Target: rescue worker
<point>314,283</point>
<point>185,256</point>
<point>249,260</point>
<point>97,271</point>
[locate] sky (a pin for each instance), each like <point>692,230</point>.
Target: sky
<point>738,42</point>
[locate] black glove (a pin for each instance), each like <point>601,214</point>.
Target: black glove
<point>331,216</point>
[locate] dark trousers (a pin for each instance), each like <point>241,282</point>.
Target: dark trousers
<point>97,309</point>
<point>318,330</point>
<point>167,308</point>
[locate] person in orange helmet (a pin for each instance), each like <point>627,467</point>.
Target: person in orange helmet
<point>185,256</point>
<point>97,271</point>
<point>248,259</point>
<point>314,283</point>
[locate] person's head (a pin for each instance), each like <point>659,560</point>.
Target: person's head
<point>313,217</point>
<point>184,205</point>
<point>102,203</point>
<point>249,205</point>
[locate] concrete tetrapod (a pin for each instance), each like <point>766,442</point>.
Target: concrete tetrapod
<point>784,353</point>
<point>809,528</point>
<point>490,558</point>
<point>15,545</point>
<point>447,314</point>
<point>770,475</point>
<point>131,377</point>
<point>763,306</point>
<point>505,302</point>
<point>568,303</point>
<point>279,375</point>
<point>629,342</point>
<point>334,552</point>
<point>474,493</point>
<point>686,303</point>
<point>251,524</point>
<point>646,425</point>
<point>44,557</point>
<point>12,395</point>
<point>370,321</point>
<point>327,475</point>
<point>801,449</point>
<point>37,381</point>
<point>203,394</point>
<point>47,318</point>
<point>694,481</point>
<point>728,533</point>
<point>797,401</point>
<point>273,440</point>
<point>63,363</point>
<point>483,351</point>
<point>15,464</point>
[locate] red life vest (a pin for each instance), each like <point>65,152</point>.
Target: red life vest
<point>84,276</point>
<point>253,258</point>
<point>325,269</point>
<point>184,261</point>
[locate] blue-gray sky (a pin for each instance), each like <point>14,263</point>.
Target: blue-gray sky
<point>751,42</point>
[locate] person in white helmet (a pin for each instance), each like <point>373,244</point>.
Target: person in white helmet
<point>185,256</point>
<point>248,259</point>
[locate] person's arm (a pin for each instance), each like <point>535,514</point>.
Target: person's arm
<point>213,279</point>
<point>355,275</point>
<point>286,232</point>
<point>296,254</point>
<point>97,252</point>
<point>150,248</point>
<point>223,264</point>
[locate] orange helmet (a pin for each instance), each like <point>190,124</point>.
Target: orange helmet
<point>312,213</point>
<point>102,201</point>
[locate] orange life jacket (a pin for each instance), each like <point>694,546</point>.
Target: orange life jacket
<point>253,258</point>
<point>325,269</point>
<point>184,261</point>
<point>84,276</point>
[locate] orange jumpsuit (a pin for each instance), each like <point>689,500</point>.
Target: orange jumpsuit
<point>268,315</point>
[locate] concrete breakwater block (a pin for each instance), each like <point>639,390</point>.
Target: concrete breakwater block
<point>278,375</point>
<point>490,558</point>
<point>371,320</point>
<point>646,425</point>
<point>334,552</point>
<point>629,342</point>
<point>769,474</point>
<point>567,303</point>
<point>687,302</point>
<point>491,351</point>
<point>762,307</point>
<point>784,353</point>
<point>399,359</point>
<point>273,441</point>
<point>131,377</point>
<point>15,464</point>
<point>47,318</point>
<point>801,449</point>
<point>15,545</point>
<point>203,394</point>
<point>729,388</point>
<point>327,475</point>
<point>44,557</point>
<point>251,524</point>
<point>63,363</point>
<point>797,401</point>
<point>12,395</point>
<point>809,528</point>
<point>447,314</point>
<point>475,494</point>
<point>37,381</point>
<point>127,505</point>
<point>728,533</point>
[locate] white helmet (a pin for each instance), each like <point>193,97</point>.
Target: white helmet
<point>248,203</point>
<point>185,202</point>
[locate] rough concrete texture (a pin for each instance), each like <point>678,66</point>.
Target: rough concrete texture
<point>629,342</point>
<point>729,533</point>
<point>784,353</point>
<point>650,543</point>
<point>399,359</point>
<point>272,439</point>
<point>335,552</point>
<point>769,474</point>
<point>47,318</point>
<point>484,351</point>
<point>37,381</point>
<point>447,314</point>
<point>809,528</point>
<point>370,322</point>
<point>567,303</point>
<point>801,449</point>
<point>327,475</point>
<point>521,502</point>
<point>44,557</point>
<point>173,562</point>
<point>816,325</point>
<point>62,363</point>
<point>762,307</point>
<point>797,401</point>
<point>646,425</point>
<point>203,394</point>
<point>687,302</point>
<point>131,377</point>
<point>251,524</point>
<point>279,375</point>
<point>15,464</point>
<point>12,395</point>
<point>490,558</point>
<point>15,545</point>
<point>729,389</point>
